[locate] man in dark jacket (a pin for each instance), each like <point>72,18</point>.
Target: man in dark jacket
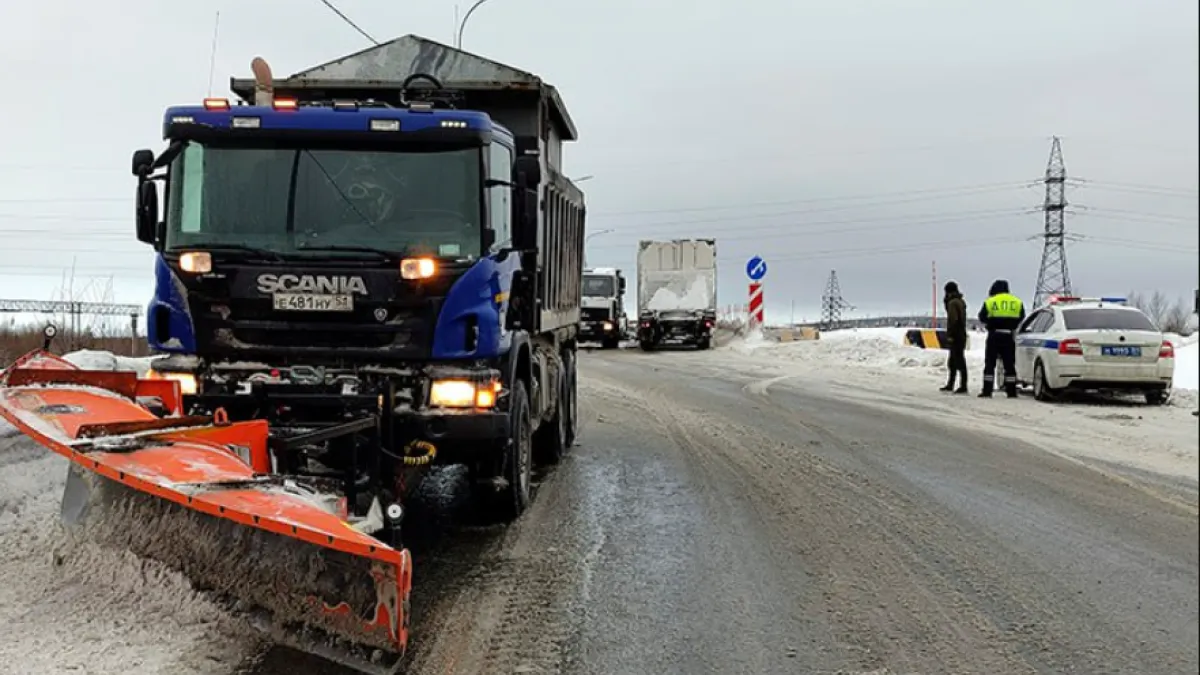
<point>956,337</point>
<point>1001,313</point>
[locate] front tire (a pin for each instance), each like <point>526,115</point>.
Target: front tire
<point>514,498</point>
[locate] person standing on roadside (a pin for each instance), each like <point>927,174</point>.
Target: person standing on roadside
<point>1002,312</point>
<point>956,337</point>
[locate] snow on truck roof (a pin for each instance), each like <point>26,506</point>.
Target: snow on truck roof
<point>387,66</point>
<point>602,271</point>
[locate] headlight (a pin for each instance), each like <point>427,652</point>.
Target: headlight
<point>608,325</point>
<point>463,394</point>
<point>187,381</point>
<point>196,262</point>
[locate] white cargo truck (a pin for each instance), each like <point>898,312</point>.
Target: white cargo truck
<point>603,314</point>
<point>677,292</point>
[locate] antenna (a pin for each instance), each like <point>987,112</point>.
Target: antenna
<point>212,57</point>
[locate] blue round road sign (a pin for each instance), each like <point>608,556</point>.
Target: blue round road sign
<point>756,268</point>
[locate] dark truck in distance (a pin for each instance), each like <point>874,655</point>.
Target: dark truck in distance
<point>603,307</point>
<point>380,257</point>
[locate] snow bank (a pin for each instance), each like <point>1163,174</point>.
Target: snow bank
<point>89,359</point>
<point>875,367</point>
<point>69,605</point>
<point>1186,363</point>
<point>875,347</point>
<point>885,348</point>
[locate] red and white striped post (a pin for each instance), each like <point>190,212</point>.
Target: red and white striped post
<point>756,305</point>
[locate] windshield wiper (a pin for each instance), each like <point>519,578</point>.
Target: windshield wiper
<point>262,252</point>
<point>388,255</point>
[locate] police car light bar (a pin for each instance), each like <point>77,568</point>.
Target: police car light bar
<point>1060,299</point>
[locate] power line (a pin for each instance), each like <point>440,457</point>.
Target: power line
<point>969,189</point>
<point>1140,188</point>
<point>345,18</point>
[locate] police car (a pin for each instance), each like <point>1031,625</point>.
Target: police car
<point>1093,344</point>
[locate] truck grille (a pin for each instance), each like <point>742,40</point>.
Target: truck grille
<point>255,323</point>
<point>594,314</point>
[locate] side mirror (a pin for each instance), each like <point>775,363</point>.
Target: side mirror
<point>489,239</point>
<point>525,214</point>
<point>146,212</point>
<point>48,334</point>
<point>143,160</point>
<point>621,284</point>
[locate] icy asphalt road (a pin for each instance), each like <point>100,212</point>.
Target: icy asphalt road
<point>712,522</point>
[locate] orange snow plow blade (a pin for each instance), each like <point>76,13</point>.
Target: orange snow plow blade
<point>195,494</point>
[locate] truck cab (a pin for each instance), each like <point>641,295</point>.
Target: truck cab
<point>603,312</point>
<point>335,249</point>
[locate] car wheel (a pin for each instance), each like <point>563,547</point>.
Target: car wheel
<point>1156,396</point>
<point>1041,389</point>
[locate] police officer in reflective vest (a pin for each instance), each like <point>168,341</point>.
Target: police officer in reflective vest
<point>1001,313</point>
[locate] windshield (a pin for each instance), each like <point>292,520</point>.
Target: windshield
<point>598,287</point>
<point>287,199</point>
<point>1106,319</point>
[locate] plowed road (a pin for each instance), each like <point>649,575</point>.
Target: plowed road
<point>719,523</point>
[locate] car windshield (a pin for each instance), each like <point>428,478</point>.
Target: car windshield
<point>288,199</point>
<point>1103,318</point>
<point>598,287</point>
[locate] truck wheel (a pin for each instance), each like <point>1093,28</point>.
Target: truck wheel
<point>518,461</point>
<point>646,345</point>
<point>550,440</point>
<point>1156,396</point>
<point>570,366</point>
<point>704,343</point>
<point>610,343</point>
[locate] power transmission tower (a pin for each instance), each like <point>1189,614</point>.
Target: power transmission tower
<point>1053,278</point>
<point>832,304</point>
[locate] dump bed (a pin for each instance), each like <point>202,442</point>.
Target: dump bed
<point>677,275</point>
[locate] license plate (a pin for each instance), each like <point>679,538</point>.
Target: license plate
<point>1120,350</point>
<point>311,302</point>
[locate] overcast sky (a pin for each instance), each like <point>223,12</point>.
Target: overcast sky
<point>870,137</point>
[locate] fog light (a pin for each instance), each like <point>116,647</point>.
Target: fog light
<point>463,394</point>
<point>187,381</point>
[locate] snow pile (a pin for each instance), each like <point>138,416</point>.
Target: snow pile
<point>874,347</point>
<point>1186,363</point>
<point>89,359</point>
<point>696,296</point>
<point>885,348</point>
<point>69,605</point>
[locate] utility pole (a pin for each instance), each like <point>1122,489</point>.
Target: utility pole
<point>935,295</point>
<point>1053,278</point>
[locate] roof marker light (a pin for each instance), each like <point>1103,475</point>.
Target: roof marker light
<point>454,124</point>
<point>286,104</point>
<point>1116,300</point>
<point>216,104</point>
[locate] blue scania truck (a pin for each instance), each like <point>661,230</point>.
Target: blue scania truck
<point>381,257</point>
